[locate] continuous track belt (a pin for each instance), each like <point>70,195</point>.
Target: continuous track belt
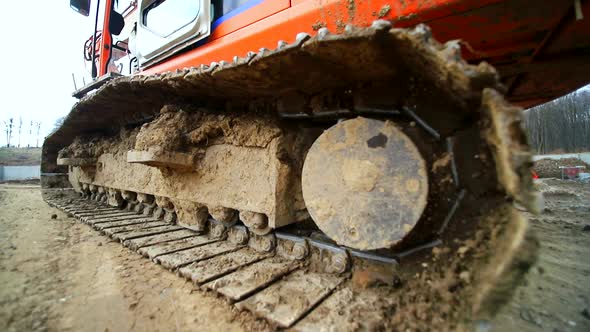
<point>272,284</point>
<point>363,68</point>
<point>309,65</point>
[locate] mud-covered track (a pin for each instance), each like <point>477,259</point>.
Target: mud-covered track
<point>456,262</point>
<point>281,290</point>
<point>308,67</point>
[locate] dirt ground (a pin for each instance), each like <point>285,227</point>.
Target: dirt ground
<point>59,275</point>
<point>556,295</point>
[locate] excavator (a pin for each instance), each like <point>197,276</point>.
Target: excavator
<point>323,164</point>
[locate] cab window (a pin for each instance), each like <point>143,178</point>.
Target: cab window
<point>164,17</point>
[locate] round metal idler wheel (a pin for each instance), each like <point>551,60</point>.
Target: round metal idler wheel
<point>365,183</point>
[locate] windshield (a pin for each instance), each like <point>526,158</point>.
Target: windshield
<point>166,16</point>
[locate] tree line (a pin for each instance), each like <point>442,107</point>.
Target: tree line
<point>14,130</point>
<point>561,125</point>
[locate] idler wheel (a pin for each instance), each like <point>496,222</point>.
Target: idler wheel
<point>365,183</point>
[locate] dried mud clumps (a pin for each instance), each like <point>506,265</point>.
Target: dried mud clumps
<point>185,130</point>
<point>80,148</point>
<point>94,146</point>
<point>506,138</point>
<point>168,131</point>
<point>467,280</point>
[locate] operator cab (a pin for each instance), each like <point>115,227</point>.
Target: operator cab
<point>107,52</point>
<point>140,33</point>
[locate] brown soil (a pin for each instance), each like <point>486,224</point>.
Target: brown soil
<point>177,130</point>
<point>556,296</point>
<point>94,146</point>
<point>60,275</point>
<point>549,168</point>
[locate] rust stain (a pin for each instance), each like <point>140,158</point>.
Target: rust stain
<point>322,15</point>
<point>351,6</point>
<point>407,17</point>
<point>340,25</point>
<point>318,25</point>
<point>384,11</point>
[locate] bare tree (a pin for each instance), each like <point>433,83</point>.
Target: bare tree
<point>561,125</point>
<point>30,135</point>
<point>58,122</point>
<point>8,124</point>
<point>20,126</point>
<point>38,130</point>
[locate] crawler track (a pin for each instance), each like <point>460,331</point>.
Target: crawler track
<point>271,284</point>
<point>308,292</point>
<point>460,262</point>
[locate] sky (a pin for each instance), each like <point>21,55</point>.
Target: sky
<point>42,44</point>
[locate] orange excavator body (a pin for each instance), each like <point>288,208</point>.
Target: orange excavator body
<point>527,41</point>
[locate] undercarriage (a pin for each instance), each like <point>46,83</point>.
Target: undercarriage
<point>371,169</point>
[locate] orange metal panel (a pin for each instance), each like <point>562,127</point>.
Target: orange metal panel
<point>308,16</point>
<point>510,25</point>
<point>507,33</point>
<point>106,40</point>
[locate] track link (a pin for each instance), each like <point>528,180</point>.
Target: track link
<point>271,284</point>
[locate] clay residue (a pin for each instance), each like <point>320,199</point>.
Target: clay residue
<point>244,162</point>
<point>441,162</point>
<point>190,214</point>
<point>177,129</point>
<point>94,145</point>
<point>510,149</point>
<point>240,131</point>
<point>167,133</point>
<point>360,175</point>
<point>351,6</point>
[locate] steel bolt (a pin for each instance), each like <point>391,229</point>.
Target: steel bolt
<point>339,263</point>
<point>266,243</point>
<point>217,230</point>
<point>299,251</point>
<point>239,236</point>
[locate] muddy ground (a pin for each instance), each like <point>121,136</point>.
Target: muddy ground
<point>59,275</point>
